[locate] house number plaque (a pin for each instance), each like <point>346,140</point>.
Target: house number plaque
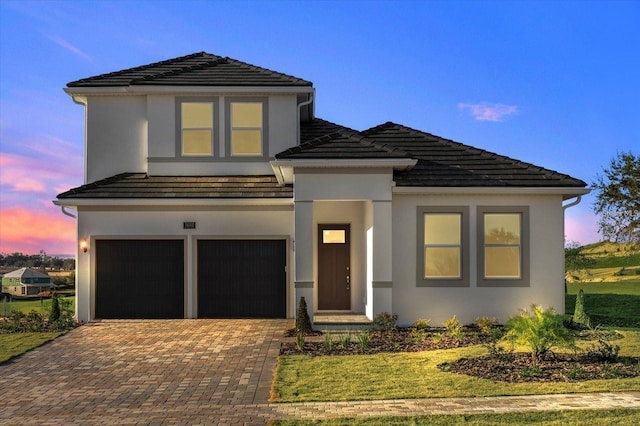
<point>188,225</point>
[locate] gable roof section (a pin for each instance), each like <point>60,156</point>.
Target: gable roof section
<point>25,273</point>
<point>446,163</point>
<point>141,186</point>
<point>322,139</point>
<point>197,69</point>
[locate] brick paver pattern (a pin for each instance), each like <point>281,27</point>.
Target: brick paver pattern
<point>199,372</point>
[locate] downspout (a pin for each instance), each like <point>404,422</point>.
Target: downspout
<point>67,213</point>
<point>574,203</point>
<point>300,105</point>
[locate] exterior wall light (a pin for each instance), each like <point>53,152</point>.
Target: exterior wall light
<point>83,245</point>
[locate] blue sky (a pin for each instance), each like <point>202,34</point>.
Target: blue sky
<point>553,83</point>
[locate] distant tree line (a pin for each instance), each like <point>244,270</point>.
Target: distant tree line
<point>36,261</point>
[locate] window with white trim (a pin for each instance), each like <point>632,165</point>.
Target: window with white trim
<point>503,251</point>
<point>443,246</point>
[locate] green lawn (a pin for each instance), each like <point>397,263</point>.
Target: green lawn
<point>15,344</point>
<point>612,304</point>
<point>416,375</point>
<point>41,306</point>
<point>620,417</point>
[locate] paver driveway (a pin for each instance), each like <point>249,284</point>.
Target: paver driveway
<point>160,371</point>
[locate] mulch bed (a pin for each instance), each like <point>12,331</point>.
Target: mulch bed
<point>398,340</point>
<point>507,367</point>
<point>519,368</point>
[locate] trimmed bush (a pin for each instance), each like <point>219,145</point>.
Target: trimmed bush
<point>579,314</point>
<point>303,322</point>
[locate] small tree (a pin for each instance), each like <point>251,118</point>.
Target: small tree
<point>618,199</point>
<point>575,259</point>
<point>579,314</point>
<point>54,313</point>
<point>303,322</point>
<point>539,331</point>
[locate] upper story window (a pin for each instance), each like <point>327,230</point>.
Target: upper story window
<point>246,128</point>
<point>503,238</point>
<point>443,246</point>
<point>197,128</point>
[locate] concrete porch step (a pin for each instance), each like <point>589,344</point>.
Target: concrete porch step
<point>341,321</point>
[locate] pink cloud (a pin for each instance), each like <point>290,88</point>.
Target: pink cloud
<point>29,231</point>
<point>581,227</point>
<point>489,112</point>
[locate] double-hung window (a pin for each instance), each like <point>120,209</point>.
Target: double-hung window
<point>503,239</point>
<point>246,127</point>
<point>443,246</point>
<point>197,127</point>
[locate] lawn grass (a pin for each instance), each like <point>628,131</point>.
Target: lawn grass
<point>620,417</point>
<point>612,304</point>
<point>15,344</point>
<point>41,306</point>
<point>416,375</point>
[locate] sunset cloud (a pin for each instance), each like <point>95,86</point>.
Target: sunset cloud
<point>29,231</point>
<point>489,112</point>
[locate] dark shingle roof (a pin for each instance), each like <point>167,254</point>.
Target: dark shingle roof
<point>322,139</point>
<point>198,69</point>
<point>140,185</point>
<point>445,163</point>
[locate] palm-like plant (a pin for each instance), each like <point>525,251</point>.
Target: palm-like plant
<point>539,330</point>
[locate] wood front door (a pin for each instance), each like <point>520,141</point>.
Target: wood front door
<point>334,267</point>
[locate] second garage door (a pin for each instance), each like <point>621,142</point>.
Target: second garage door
<point>242,278</point>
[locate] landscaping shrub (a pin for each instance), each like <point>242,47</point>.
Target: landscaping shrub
<point>422,324</point>
<point>539,331</point>
<point>453,327</point>
<point>485,324</point>
<point>303,322</point>
<point>385,321</point>
<point>579,314</point>
<point>54,313</point>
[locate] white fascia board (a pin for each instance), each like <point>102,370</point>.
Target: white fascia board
<point>175,202</point>
<point>283,169</point>
<point>566,192</point>
<point>168,90</point>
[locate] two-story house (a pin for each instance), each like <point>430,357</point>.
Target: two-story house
<point>212,190</point>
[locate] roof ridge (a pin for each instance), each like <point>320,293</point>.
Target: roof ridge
<point>139,68</point>
<point>181,70</point>
<point>262,69</point>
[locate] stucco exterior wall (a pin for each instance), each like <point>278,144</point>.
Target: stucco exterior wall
<point>546,287</point>
<point>239,222</point>
<point>116,136</point>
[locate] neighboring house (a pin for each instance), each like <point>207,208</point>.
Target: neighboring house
<point>26,282</point>
<point>212,190</point>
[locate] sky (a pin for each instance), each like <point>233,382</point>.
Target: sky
<point>553,83</point>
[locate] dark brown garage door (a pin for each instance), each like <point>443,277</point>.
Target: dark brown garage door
<point>139,279</point>
<point>242,278</point>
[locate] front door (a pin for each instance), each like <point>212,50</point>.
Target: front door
<point>334,267</point>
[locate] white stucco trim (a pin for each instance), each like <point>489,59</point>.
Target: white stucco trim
<point>171,90</point>
<point>566,192</point>
<point>284,169</point>
<point>176,202</point>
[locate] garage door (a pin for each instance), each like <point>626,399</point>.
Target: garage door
<point>139,279</point>
<point>242,278</point>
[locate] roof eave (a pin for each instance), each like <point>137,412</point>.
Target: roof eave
<point>283,168</point>
<point>173,89</point>
<point>566,192</point>
<point>170,202</point>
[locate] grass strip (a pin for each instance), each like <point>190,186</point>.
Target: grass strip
<point>416,375</point>
<point>619,417</point>
<point>12,345</point>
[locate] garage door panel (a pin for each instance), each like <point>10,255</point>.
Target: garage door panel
<point>241,278</point>
<point>139,279</point>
